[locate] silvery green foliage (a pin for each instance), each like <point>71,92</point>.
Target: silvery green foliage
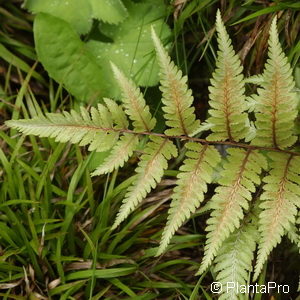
<point>121,128</point>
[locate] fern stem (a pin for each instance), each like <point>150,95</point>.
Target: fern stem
<point>227,110</point>
<point>180,137</point>
<point>274,112</point>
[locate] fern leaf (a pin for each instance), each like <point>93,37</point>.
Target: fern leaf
<point>240,174</point>
<point>281,197</point>
<point>255,79</point>
<point>276,103</point>
<point>226,92</point>
<point>134,103</point>
<point>196,172</point>
<point>77,128</point>
<point>149,171</point>
<point>176,97</point>
<point>119,154</point>
<point>234,259</point>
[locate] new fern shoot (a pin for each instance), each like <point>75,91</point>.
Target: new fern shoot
<point>260,154</point>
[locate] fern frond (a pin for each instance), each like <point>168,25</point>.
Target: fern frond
<point>275,107</point>
<point>176,97</point>
<point>234,259</point>
<point>196,172</point>
<point>276,102</point>
<point>238,180</point>
<point>281,197</point>
<point>134,103</point>
<point>226,93</point>
<point>94,128</point>
<point>119,154</point>
<point>149,171</point>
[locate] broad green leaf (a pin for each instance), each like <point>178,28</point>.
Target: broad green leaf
<point>110,11</point>
<point>132,49</point>
<point>76,12</point>
<point>67,59</point>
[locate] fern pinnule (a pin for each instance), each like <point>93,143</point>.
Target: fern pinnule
<point>94,128</point>
<point>294,232</point>
<point>134,103</point>
<point>149,172</point>
<point>276,102</point>
<point>117,113</point>
<point>194,175</point>
<point>226,93</point>
<point>119,155</point>
<point>238,180</point>
<point>177,99</point>
<point>281,198</point>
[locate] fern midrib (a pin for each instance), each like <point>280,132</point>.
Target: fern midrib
<point>280,200</point>
<point>151,162</point>
<point>226,101</point>
<point>89,127</point>
<point>134,102</point>
<point>180,137</point>
<point>175,96</point>
<point>215,240</point>
<point>234,257</point>
<point>267,243</point>
<point>150,165</point>
<point>141,181</point>
<point>121,152</point>
<point>274,111</point>
<point>235,187</point>
<point>188,187</point>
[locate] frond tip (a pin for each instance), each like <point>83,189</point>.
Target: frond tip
<point>134,103</point>
<point>176,97</point>
<point>276,102</point>
<point>226,93</point>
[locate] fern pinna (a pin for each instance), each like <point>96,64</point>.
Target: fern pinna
<point>258,147</point>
